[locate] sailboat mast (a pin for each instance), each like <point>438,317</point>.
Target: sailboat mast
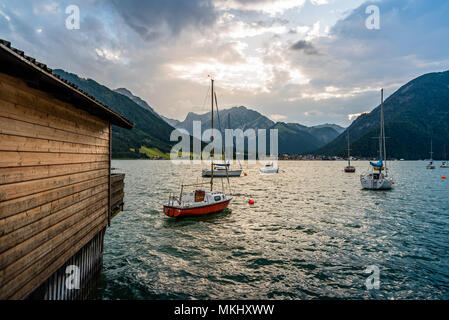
<point>384,149</point>
<point>431,150</point>
<point>349,157</point>
<point>212,138</point>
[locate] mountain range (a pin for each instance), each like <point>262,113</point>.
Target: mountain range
<point>415,114</point>
<point>293,138</point>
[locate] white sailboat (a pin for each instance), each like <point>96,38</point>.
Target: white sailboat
<point>269,168</point>
<point>445,163</point>
<point>378,178</point>
<point>222,170</point>
<point>431,165</point>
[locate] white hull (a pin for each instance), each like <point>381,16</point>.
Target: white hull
<point>222,173</point>
<point>370,182</point>
<point>268,170</point>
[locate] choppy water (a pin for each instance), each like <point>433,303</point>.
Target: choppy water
<point>310,235</point>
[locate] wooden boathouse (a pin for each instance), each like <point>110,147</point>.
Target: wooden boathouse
<point>57,194</point>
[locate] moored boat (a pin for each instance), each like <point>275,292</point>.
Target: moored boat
<point>378,178</point>
<point>222,171</point>
<point>269,168</point>
<point>197,203</point>
<point>445,163</point>
<point>200,202</point>
<point>431,165</point>
<point>349,168</point>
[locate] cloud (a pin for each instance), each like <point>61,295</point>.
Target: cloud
<point>354,116</point>
<point>277,117</point>
<point>291,59</point>
<point>319,2</point>
<point>155,19</point>
<point>305,47</point>
<point>270,7</point>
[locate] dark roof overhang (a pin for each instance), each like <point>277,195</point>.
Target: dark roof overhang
<point>37,75</point>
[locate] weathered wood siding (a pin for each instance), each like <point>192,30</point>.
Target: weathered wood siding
<point>54,184</point>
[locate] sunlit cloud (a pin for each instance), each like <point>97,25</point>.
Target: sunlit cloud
<point>254,75</point>
<point>277,117</point>
<point>354,116</point>
<point>111,55</point>
<point>240,30</point>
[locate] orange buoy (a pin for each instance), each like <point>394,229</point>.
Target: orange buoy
<point>246,174</point>
<point>251,201</point>
<point>392,182</point>
<point>443,177</point>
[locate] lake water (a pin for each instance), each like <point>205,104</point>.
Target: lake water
<point>310,235</point>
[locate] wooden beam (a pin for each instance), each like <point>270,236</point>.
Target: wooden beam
<point>14,206</point>
<point>21,174</point>
<point>25,218</point>
<point>20,235</point>
<point>22,189</point>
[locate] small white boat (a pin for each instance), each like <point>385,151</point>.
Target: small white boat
<point>376,181</point>
<point>378,178</point>
<point>222,171</point>
<point>445,164</point>
<point>269,169</point>
<point>431,165</point>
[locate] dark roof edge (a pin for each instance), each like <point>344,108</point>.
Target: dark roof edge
<point>95,107</point>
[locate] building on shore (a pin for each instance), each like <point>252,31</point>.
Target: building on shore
<point>57,194</point>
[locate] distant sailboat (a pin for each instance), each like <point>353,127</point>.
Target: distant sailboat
<point>379,178</point>
<point>431,165</point>
<point>349,168</point>
<point>222,170</point>
<point>445,164</point>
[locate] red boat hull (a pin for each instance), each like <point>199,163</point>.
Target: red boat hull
<point>194,212</point>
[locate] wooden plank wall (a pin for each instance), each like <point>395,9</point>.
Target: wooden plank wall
<point>54,181</point>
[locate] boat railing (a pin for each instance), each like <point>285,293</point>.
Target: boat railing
<point>172,198</point>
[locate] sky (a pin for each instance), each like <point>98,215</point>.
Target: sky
<point>305,61</point>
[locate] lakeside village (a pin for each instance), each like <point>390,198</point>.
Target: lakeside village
<point>305,157</point>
